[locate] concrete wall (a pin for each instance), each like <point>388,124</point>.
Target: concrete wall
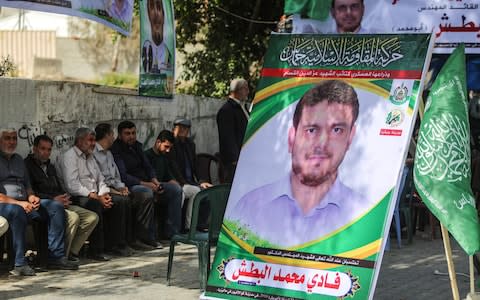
<point>59,108</point>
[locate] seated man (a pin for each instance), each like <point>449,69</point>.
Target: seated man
<point>171,191</point>
<point>3,226</point>
<point>46,184</point>
<point>137,173</point>
<point>183,161</point>
<point>18,205</point>
<point>139,177</point>
<point>118,189</point>
<point>84,181</point>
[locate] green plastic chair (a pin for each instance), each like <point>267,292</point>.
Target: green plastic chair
<point>217,196</point>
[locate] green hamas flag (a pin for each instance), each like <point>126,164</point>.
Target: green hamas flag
<point>314,9</point>
<point>442,163</point>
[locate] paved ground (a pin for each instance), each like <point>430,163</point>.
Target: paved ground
<point>406,273</point>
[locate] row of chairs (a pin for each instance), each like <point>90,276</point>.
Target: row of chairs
<point>210,168</point>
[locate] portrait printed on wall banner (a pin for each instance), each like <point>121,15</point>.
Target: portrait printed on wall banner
<point>157,61</point>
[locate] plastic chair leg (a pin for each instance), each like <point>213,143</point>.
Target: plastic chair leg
<point>170,261</point>
<point>208,260</point>
<point>203,264</point>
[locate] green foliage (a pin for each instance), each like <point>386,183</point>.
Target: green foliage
<point>119,80</point>
<point>217,46</point>
<point>7,66</point>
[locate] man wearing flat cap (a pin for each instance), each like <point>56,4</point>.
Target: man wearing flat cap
<point>183,162</point>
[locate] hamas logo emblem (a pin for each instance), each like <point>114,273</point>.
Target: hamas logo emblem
<point>400,95</point>
<point>395,118</point>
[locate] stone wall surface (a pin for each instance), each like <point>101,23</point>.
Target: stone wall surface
<point>58,108</point>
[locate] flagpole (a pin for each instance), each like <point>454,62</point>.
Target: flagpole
<point>451,267</point>
<point>472,275</point>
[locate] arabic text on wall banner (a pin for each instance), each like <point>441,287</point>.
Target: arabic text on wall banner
<point>269,247</point>
<point>452,22</point>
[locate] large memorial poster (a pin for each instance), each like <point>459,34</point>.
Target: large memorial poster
<point>116,14</point>
<point>452,21</point>
<point>318,174</point>
<point>157,49</point>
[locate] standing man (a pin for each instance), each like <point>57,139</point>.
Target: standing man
<point>85,182</point>
<point>183,162</point>
<point>170,192</point>
<point>18,204</point>
<point>310,201</point>
<point>139,176</point>
<point>232,121</point>
<point>46,184</point>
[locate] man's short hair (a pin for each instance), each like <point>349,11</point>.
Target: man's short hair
<point>102,130</point>
<point>166,135</point>
<point>125,125</point>
<point>82,132</point>
<point>237,83</point>
<point>333,3</point>
<point>42,137</point>
<point>333,91</point>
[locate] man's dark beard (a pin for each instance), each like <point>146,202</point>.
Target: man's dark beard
<point>310,180</point>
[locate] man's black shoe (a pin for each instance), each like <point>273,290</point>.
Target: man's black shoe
<point>74,259</point>
<point>99,257</point>
<point>61,264</point>
<point>154,244</point>
<point>120,251</point>
<point>138,245</point>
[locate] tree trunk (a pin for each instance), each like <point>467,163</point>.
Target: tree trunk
<point>116,45</point>
<point>256,12</point>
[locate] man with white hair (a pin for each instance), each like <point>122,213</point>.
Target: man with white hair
<point>83,180</point>
<point>18,204</point>
<point>232,121</point>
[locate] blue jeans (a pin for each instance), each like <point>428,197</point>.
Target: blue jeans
<point>49,211</point>
<point>56,227</point>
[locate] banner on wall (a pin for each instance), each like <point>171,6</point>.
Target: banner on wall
<point>318,174</point>
<point>452,22</point>
<point>116,14</point>
<point>157,48</point>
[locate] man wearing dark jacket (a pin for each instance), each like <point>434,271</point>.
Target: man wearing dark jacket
<point>19,204</point>
<point>139,176</point>
<point>232,121</point>
<point>171,192</point>
<point>183,166</point>
<point>46,184</point>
